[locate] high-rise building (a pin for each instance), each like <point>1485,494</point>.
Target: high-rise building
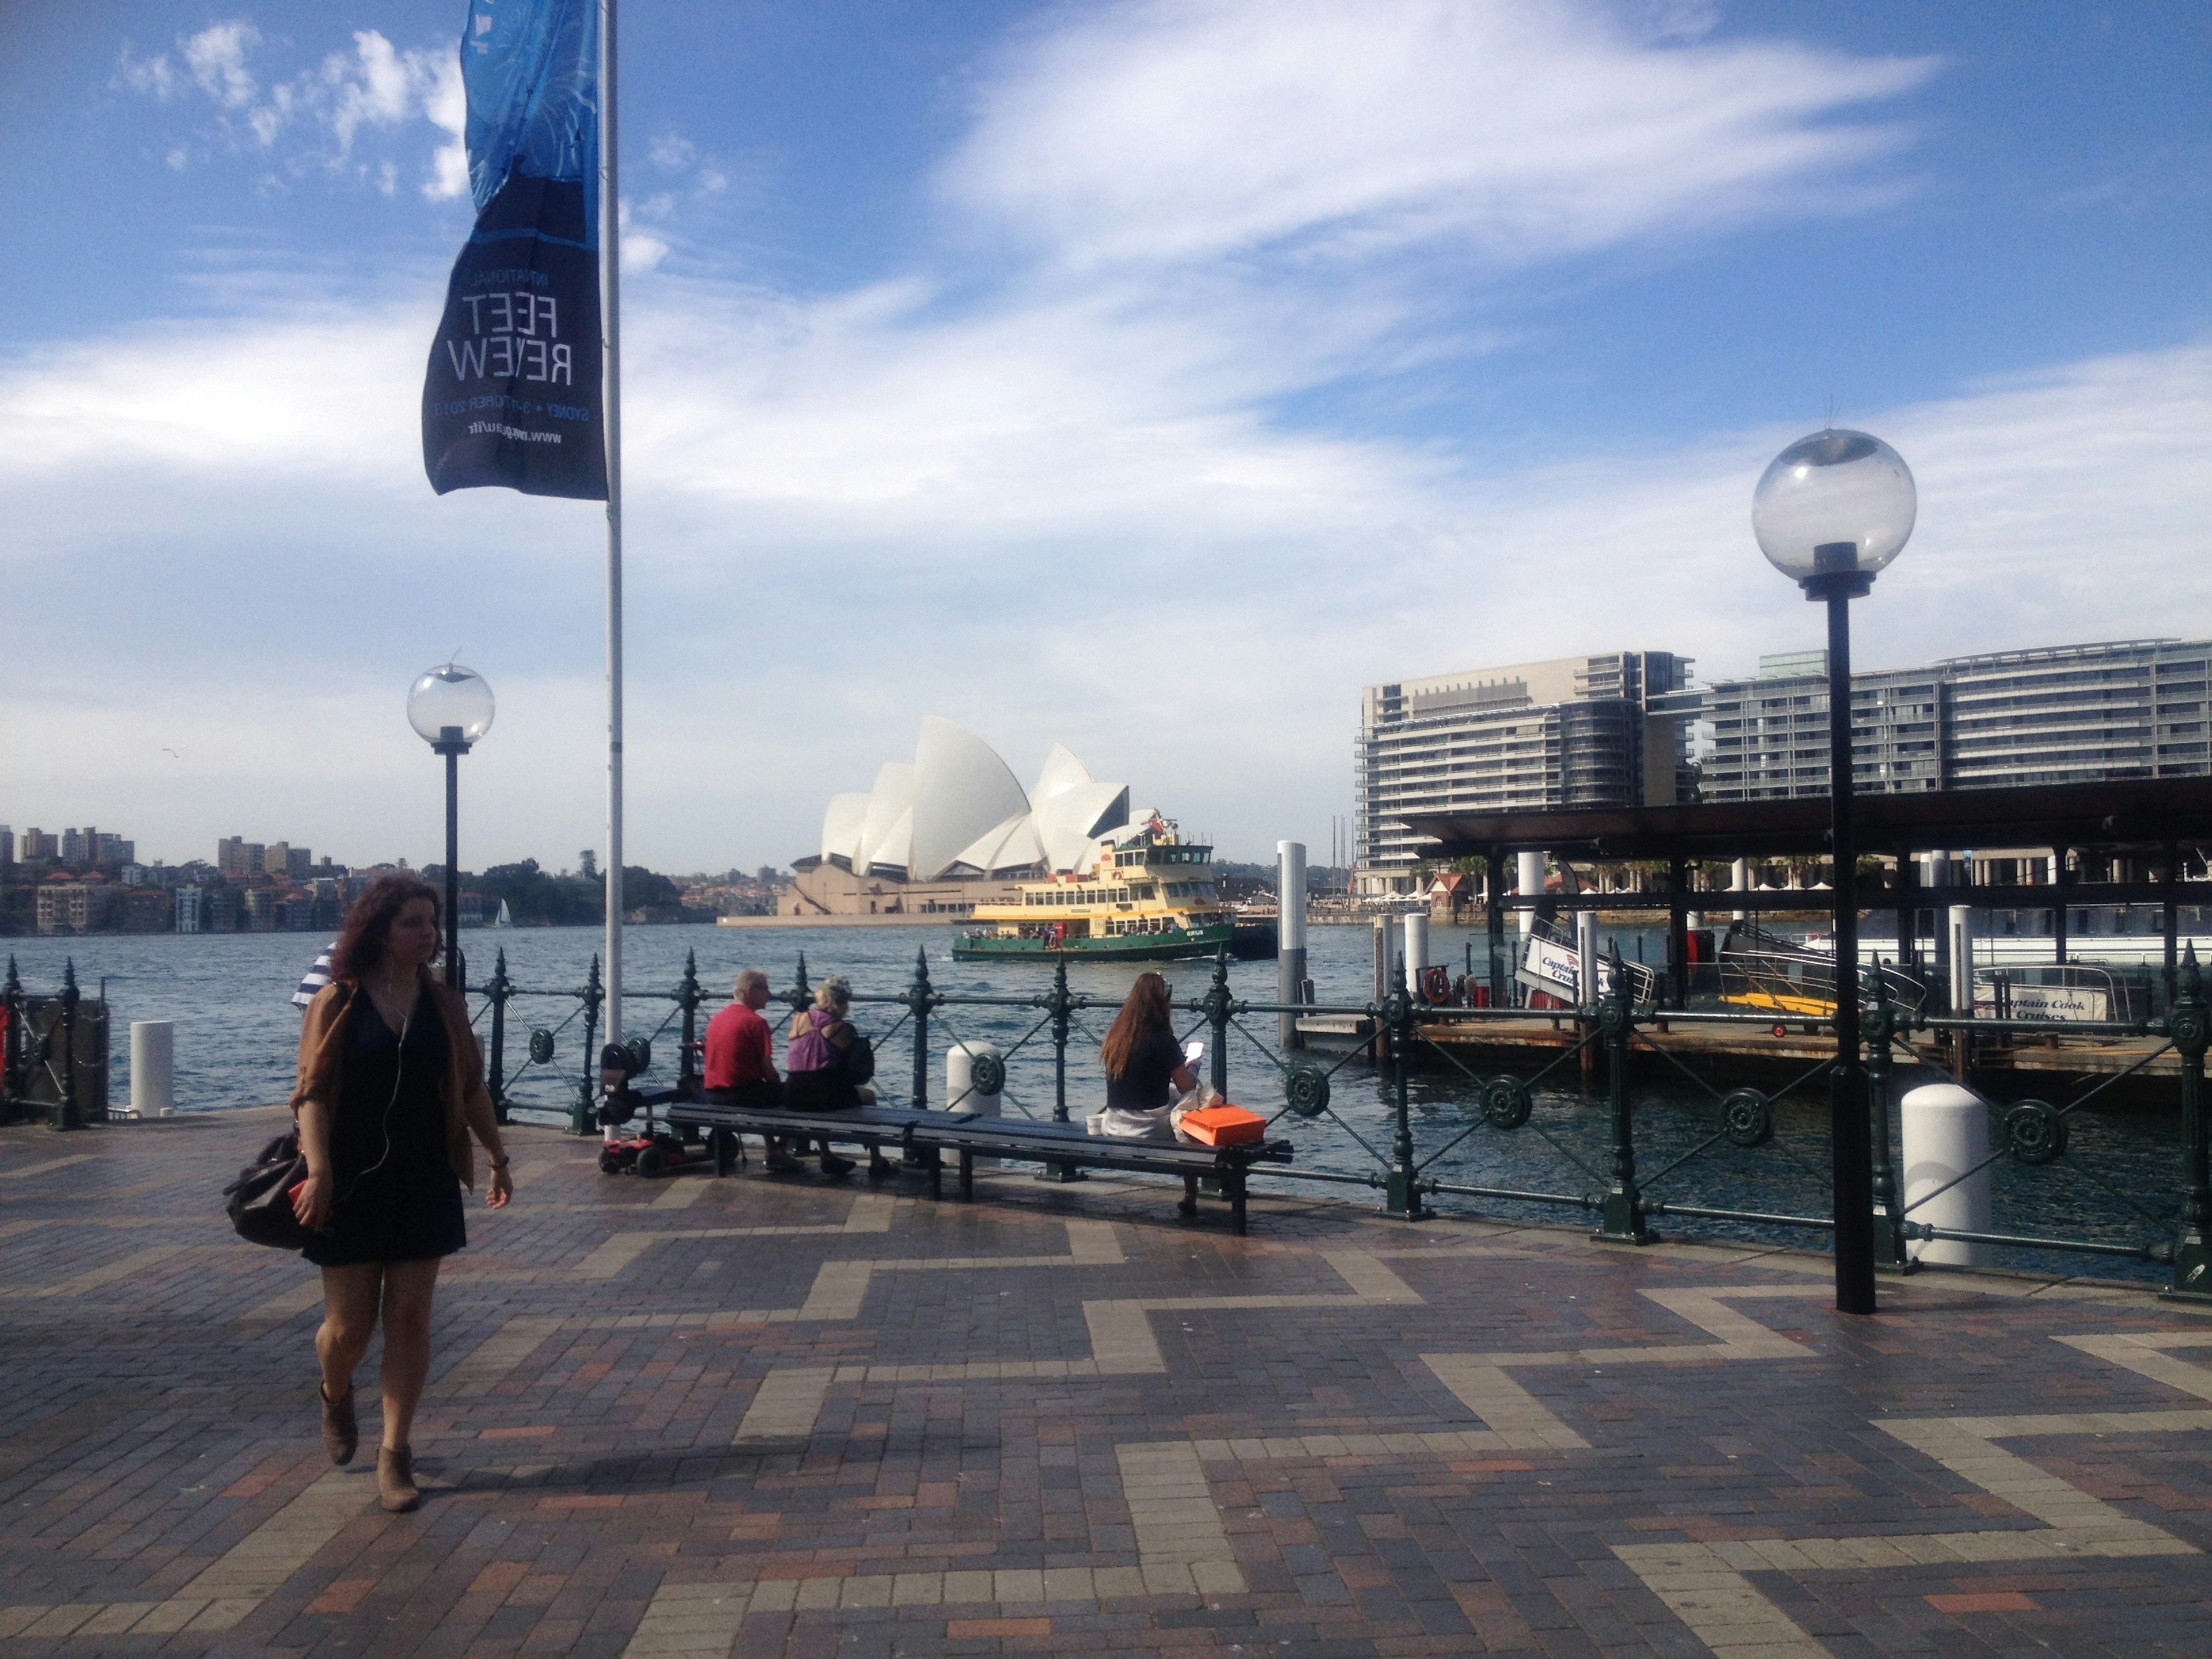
<point>38,844</point>
<point>113,849</point>
<point>188,908</point>
<point>80,846</point>
<point>7,846</point>
<point>1600,730</point>
<point>235,856</point>
<point>276,859</point>
<point>2074,713</point>
<point>298,862</point>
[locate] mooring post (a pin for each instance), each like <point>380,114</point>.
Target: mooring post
<point>801,995</point>
<point>688,997</point>
<point>1880,1021</point>
<point>920,999</point>
<point>592,994</point>
<point>499,990</point>
<point>2187,1024</point>
<point>1493,895</point>
<point>1402,1189</point>
<point>1624,1205</point>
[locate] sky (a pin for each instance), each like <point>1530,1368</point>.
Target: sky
<point>1146,378</point>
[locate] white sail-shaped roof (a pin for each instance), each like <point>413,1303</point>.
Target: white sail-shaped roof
<point>961,790</point>
<point>889,800</point>
<point>957,809</point>
<point>1009,846</point>
<point>840,827</point>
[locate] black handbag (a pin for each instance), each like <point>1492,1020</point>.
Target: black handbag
<point>260,1202</point>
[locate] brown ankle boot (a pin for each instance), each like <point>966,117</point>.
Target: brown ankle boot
<point>395,1479</point>
<point>341,1433</point>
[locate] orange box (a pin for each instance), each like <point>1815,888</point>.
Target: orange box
<point>1223,1125</point>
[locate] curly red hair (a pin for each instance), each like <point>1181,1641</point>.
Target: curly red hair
<point>368,924</point>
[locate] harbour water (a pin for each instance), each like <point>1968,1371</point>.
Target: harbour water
<point>236,1037</point>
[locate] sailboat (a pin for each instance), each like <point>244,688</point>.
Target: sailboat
<point>505,918</point>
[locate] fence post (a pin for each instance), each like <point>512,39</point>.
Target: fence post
<point>1061,1007</point>
<point>920,998</point>
<point>800,995</point>
<point>1624,1203</point>
<point>2188,1024</point>
<point>65,1112</point>
<point>1216,1004</point>
<point>499,990</point>
<point>579,1119</point>
<point>688,997</point>
<point>11,1046</point>
<point>1878,1024</point>
<point>1401,1193</point>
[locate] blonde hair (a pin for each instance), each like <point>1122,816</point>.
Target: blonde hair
<point>746,981</point>
<point>834,995</point>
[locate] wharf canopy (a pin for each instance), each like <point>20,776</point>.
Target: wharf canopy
<point>950,830</point>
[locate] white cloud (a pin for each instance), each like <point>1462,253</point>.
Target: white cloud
<point>1069,510</point>
<point>1178,131</point>
<point>216,57</point>
<point>375,86</point>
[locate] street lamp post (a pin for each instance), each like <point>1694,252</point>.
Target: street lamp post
<point>1831,511</point>
<point>450,708</point>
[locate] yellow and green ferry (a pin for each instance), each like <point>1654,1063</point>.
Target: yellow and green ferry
<point>1148,896</point>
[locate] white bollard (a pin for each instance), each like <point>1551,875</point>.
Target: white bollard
<point>1961,940</point>
<point>1946,1130</point>
<point>1529,871</point>
<point>960,1092</point>
<point>153,1068</point>
<point>1417,949</point>
<point>1586,974</point>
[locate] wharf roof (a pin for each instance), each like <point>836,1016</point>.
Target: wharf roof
<point>2135,813</point>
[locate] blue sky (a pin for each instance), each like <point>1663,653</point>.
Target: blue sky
<point>1143,377</point>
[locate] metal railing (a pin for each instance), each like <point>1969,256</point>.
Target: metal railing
<point>1401,1034</point>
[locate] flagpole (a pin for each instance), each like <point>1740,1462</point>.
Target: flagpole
<point>610,312</point>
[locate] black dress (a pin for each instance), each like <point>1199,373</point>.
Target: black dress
<point>398,1199</point>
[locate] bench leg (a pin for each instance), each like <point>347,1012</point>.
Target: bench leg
<point>1061,1172</point>
<point>1190,1205</point>
<point>726,1146</point>
<point>1234,1182</point>
<point>967,1176</point>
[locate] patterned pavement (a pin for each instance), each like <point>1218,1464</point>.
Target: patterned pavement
<point>812,1417</point>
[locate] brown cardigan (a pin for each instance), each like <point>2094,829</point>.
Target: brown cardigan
<point>323,1038</point>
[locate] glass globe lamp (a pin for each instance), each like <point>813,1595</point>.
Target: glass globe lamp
<point>1833,509</point>
<point>450,705</point>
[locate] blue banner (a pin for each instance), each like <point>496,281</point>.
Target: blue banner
<point>513,393</point>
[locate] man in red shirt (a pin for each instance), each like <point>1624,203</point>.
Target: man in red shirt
<point>739,1059</point>
<point>740,1050</point>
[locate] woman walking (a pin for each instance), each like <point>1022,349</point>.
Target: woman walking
<point>390,1087</point>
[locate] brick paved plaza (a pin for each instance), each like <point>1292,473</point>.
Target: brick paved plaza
<point>802,1416</point>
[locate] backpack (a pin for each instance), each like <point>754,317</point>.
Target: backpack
<point>860,1058</point>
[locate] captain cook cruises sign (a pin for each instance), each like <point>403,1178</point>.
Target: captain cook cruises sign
<point>512,397</point>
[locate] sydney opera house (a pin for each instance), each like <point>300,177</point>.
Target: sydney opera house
<point>950,830</point>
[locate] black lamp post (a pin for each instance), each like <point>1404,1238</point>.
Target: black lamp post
<point>450,708</point>
<point>1831,511</point>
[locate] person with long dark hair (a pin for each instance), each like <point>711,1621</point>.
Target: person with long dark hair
<point>391,1089</point>
<point>1142,1058</point>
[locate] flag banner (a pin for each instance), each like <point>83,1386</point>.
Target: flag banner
<point>513,393</point>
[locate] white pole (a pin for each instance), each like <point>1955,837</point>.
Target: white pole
<point>1945,1132</point>
<point>611,328</point>
<point>1962,961</point>
<point>1529,875</point>
<point>153,1068</point>
<point>1740,881</point>
<point>1586,958</point>
<point>1290,934</point>
<point>1417,948</point>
